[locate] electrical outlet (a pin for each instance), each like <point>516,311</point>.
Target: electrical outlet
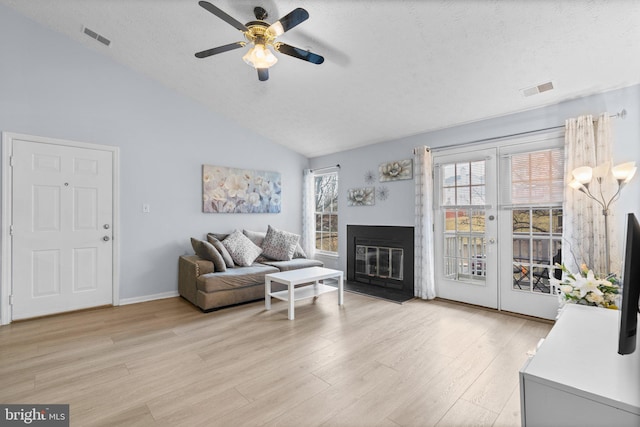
<point>146,208</point>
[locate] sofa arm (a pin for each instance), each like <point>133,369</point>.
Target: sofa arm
<point>189,268</point>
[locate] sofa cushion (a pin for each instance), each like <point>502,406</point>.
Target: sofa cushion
<point>206,250</point>
<point>234,278</point>
<point>279,245</point>
<point>242,250</point>
<point>294,264</point>
<point>228,260</point>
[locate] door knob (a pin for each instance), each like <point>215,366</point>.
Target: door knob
<point>106,226</point>
<point>106,238</point>
<point>492,241</point>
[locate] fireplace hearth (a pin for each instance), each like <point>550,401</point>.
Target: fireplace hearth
<point>380,261</point>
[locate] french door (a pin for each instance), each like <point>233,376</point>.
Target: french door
<point>498,224</point>
<point>531,194</point>
<point>466,227</point>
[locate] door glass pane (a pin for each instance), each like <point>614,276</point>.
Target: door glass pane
<point>521,221</point>
<point>556,221</point>
<point>477,195</point>
<point>450,220</point>
<point>540,220</point>
<point>463,223</point>
<point>477,173</point>
<point>463,196</point>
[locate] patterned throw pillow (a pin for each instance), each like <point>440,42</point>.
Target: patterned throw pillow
<point>279,245</point>
<point>243,251</point>
<point>223,251</point>
<point>206,250</point>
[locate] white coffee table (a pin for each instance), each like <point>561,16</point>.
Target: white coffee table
<point>291,278</point>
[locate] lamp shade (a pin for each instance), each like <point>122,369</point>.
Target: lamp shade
<point>631,174</point>
<point>259,56</point>
<point>583,174</point>
<point>624,171</point>
<point>575,184</point>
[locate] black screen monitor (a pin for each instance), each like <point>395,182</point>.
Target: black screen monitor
<point>630,288</point>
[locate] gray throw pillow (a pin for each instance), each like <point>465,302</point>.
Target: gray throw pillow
<point>299,253</point>
<point>256,237</point>
<point>228,260</point>
<point>243,251</point>
<point>206,250</point>
<point>279,245</point>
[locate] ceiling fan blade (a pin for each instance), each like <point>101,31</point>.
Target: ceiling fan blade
<point>263,74</point>
<point>296,52</point>
<point>223,15</point>
<point>219,49</point>
<point>288,21</point>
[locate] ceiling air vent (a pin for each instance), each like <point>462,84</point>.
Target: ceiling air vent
<point>537,89</point>
<point>105,41</point>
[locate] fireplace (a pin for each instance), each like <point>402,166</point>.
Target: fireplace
<point>380,259</point>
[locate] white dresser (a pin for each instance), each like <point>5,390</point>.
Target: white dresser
<point>577,377</point>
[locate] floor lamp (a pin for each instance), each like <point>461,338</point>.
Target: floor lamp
<point>583,178</point>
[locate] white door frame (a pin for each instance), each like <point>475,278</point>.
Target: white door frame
<point>7,220</point>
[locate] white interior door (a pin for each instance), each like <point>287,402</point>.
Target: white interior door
<point>62,228</point>
<point>466,227</point>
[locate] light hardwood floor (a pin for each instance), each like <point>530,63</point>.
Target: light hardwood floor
<point>368,363</point>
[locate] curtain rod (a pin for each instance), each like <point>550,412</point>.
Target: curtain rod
<point>325,168</point>
<point>622,114</point>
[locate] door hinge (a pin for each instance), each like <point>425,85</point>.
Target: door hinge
<point>11,230</point>
<point>11,299</point>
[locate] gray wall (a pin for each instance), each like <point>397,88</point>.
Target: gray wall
<point>54,87</point>
<point>398,209</point>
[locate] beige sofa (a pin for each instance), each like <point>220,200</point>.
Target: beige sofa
<point>208,289</point>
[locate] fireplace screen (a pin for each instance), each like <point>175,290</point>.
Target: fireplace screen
<point>376,261</point>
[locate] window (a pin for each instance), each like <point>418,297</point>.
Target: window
<point>326,211</point>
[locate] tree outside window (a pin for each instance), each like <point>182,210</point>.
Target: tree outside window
<point>326,208</point>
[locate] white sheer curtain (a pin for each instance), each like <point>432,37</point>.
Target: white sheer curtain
<point>308,214</point>
<point>424,241</point>
<point>588,143</point>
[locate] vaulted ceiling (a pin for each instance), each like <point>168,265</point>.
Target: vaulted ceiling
<point>392,68</point>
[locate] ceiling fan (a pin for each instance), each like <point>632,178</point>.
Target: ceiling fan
<point>262,35</point>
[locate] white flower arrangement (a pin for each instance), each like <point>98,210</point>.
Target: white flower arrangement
<point>585,288</point>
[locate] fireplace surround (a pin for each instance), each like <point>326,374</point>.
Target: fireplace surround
<point>380,260</point>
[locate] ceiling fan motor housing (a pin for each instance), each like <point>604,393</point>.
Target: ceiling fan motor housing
<point>257,33</point>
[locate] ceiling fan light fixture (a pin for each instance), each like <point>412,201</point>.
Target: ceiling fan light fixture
<point>260,56</point>
<point>276,29</point>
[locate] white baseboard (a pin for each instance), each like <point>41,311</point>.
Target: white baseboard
<point>135,300</point>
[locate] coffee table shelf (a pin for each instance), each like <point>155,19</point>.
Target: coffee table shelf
<point>292,278</point>
<point>304,292</point>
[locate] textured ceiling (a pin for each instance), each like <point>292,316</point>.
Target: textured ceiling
<point>392,68</point>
